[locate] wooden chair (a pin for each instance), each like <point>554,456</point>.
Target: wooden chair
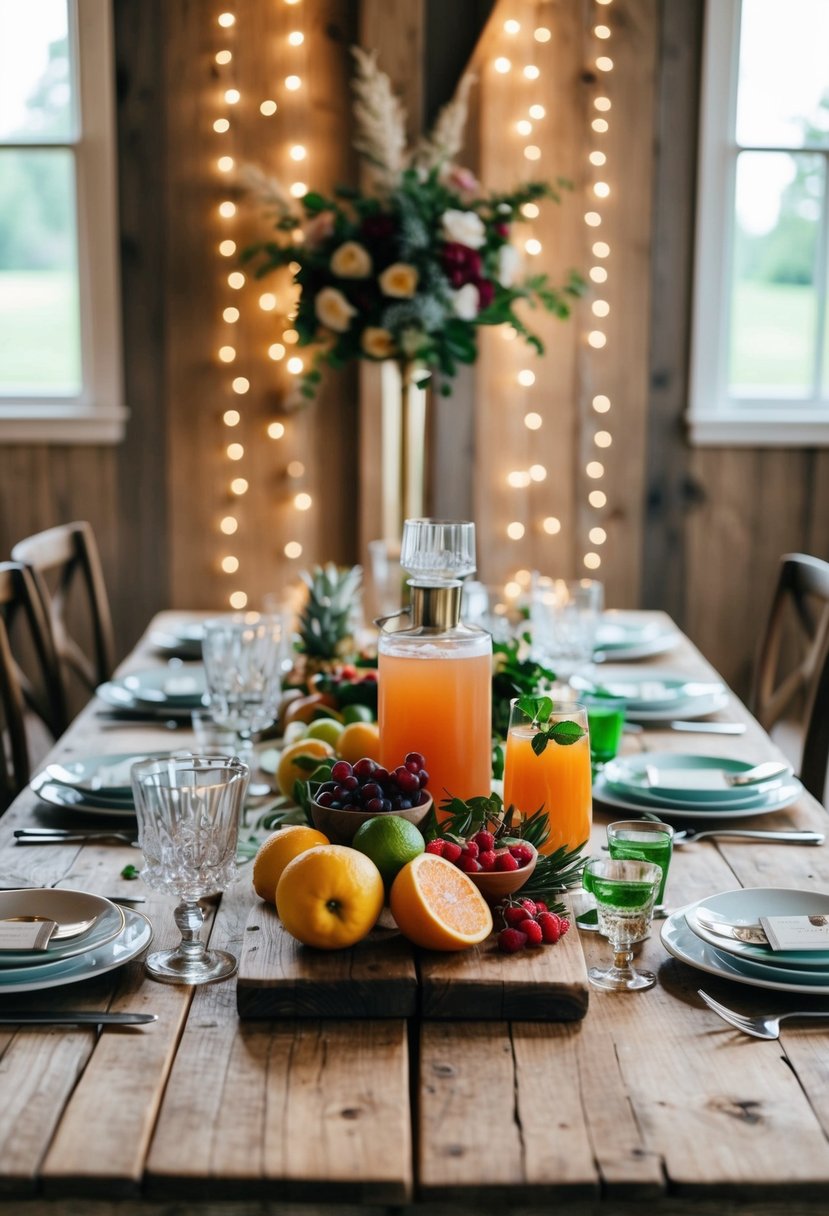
<point>65,565</point>
<point>801,597</point>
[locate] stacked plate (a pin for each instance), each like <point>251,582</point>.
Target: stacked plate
<point>96,785</point>
<point>182,640</point>
<point>657,697</point>
<point>624,636</point>
<point>697,936</point>
<point>92,936</point>
<point>690,787</point>
<point>164,692</point>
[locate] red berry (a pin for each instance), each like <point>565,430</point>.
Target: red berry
<point>341,770</point>
<point>522,853</point>
<point>505,861</point>
<point>487,860</point>
<point>485,841</point>
<point>348,672</point>
<point>550,926</point>
<point>511,940</point>
<point>540,906</point>
<point>470,865</point>
<point>452,850</point>
<point>532,930</point>
<point>369,677</point>
<point>471,849</point>
<point>513,915</point>
<point>565,925</point>
<point>529,906</point>
<point>436,846</point>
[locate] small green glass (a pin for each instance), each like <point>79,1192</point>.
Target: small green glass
<point>643,840</point>
<point>605,719</point>
<point>624,892</point>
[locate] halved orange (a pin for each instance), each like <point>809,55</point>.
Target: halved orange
<point>437,906</point>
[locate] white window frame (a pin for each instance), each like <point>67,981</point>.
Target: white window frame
<point>713,417</point>
<point>97,414</point>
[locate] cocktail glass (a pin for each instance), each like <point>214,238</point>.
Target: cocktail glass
<point>605,718</point>
<point>242,663</point>
<point>643,840</point>
<point>557,778</point>
<point>564,617</point>
<point>188,809</point>
<point>624,892</point>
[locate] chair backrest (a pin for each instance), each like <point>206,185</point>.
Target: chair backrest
<point>60,560</point>
<point>815,758</point>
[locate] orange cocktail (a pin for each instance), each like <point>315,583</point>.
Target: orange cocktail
<point>558,779</point>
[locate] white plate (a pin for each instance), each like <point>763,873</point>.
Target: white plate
<point>60,905</point>
<point>654,691</point>
<point>621,637</point>
<point>134,937</point>
<point>679,941</point>
<point>776,800</point>
<point>100,776</point>
<point>170,685</point>
<point>118,697</point>
<point>689,711</point>
<point>748,904</point>
<point>685,779</point>
<point>67,799</point>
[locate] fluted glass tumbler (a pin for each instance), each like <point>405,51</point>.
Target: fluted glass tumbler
<point>188,810</point>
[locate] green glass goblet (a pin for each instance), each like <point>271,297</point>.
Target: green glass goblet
<point>624,892</point>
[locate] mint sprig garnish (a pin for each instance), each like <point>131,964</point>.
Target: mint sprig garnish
<point>564,733</point>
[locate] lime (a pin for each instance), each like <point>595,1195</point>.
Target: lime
<point>391,842</point>
<point>327,729</point>
<point>357,713</point>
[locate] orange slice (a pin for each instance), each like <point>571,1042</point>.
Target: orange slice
<point>437,906</point>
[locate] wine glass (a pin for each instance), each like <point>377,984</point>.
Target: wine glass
<point>624,891</point>
<point>242,663</point>
<point>188,809</point>
<point>564,617</point>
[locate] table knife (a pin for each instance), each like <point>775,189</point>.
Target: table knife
<point>711,728</point>
<point>29,1017</point>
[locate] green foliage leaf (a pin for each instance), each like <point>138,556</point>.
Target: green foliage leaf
<point>566,733</point>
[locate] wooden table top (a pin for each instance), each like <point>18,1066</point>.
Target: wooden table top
<point>650,1099</point>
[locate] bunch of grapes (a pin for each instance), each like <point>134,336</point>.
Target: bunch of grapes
<point>367,786</point>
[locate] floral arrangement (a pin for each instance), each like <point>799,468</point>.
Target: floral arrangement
<point>411,267</point>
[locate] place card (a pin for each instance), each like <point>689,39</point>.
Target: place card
<point>797,932</point>
<point>26,934</point>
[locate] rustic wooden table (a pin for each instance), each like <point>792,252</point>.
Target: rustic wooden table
<point>649,1103</point>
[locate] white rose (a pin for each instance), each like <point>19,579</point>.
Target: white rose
<point>465,227</point>
<point>351,261</point>
<point>509,259</point>
<point>399,281</point>
<point>378,343</point>
<point>333,309</point>
<point>465,302</point>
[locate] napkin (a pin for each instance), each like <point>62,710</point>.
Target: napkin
<point>26,934</point>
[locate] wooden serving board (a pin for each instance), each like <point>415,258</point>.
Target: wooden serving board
<point>384,976</point>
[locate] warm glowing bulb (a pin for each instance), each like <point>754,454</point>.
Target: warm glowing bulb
<point>601,403</point>
<point>604,63</point>
<point>515,531</point>
<point>525,377</point>
<point>532,246</point>
<point>598,274</point>
<point>533,422</point>
<point>231,417</point>
<point>229,525</point>
<point>223,57</point>
<point>592,219</point>
<point>600,125</point>
<point>225,20</point>
<point>600,308</point>
<point>276,352</point>
<point>602,104</point>
<point>597,498</point>
<point>298,189</point>
<point>232,96</point>
<point>235,451</point>
<point>597,536</point>
<point>240,385</point>
<point>536,111</point>
<point>601,189</point>
<point>227,249</point>
<point>532,152</point>
<point>295,365</point>
<point>512,26</point>
<point>236,280</point>
<point>238,600</point>
<point>594,469</point>
<point>231,315</point>
<point>603,439</point>
<point>592,561</point>
<point>538,472</point>
<point>524,126</point>
<point>518,479</point>
<point>601,249</point>
<point>303,501</point>
<point>530,211</point>
<point>542,34</point>
<point>230,564</point>
<point>597,339</point>
<point>291,336</point>
<point>238,486</point>
<point>227,210</point>
<point>267,301</point>
<point>227,354</point>
<point>296,38</point>
<point>502,65</point>
<point>298,152</point>
<point>511,590</point>
<point>551,525</point>
<point>275,430</point>
<point>293,549</point>
<point>224,164</point>
<point>296,469</point>
<point>268,107</point>
<point>531,72</point>
<point>292,83</point>
<point>221,125</point>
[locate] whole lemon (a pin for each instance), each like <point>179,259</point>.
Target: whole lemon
<point>289,771</point>
<point>275,853</point>
<point>330,897</point>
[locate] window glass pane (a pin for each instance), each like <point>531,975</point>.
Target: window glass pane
<point>773,307</point>
<point>39,302</point>
<point>783,93</point>
<point>35,79</point>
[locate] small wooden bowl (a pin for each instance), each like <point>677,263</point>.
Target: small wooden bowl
<point>340,825</point>
<point>496,885</point>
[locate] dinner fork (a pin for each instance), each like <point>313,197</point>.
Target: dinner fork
<point>763,1025</point>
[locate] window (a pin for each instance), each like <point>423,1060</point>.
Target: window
<point>760,362</point>
<point>60,374</point>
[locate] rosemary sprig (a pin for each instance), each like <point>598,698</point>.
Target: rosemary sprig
<point>538,709</point>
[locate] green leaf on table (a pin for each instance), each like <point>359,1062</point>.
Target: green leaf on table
<point>130,872</point>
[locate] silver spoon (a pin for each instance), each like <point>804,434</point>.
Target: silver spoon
<point>761,772</point>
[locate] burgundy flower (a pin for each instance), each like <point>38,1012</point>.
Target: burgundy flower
<point>377,227</point>
<point>462,264</point>
<point>486,291</point>
<point>502,230</point>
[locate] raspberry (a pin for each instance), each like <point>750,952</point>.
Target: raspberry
<point>540,906</point>
<point>470,865</point>
<point>505,861</point>
<point>451,850</point>
<point>436,846</point>
<point>511,940</point>
<point>487,860</point>
<point>532,930</point>
<point>485,841</point>
<point>529,906</point>
<point>522,853</point>
<point>550,926</point>
<point>471,849</point>
<point>565,924</point>
<point>513,916</point>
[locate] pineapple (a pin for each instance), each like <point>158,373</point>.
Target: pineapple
<point>326,620</point>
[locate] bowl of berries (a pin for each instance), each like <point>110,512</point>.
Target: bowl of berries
<point>358,792</point>
<point>498,868</point>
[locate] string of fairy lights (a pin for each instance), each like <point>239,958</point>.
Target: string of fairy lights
<point>291,57</point>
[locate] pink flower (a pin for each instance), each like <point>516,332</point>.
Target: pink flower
<point>462,180</point>
<point>319,228</point>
